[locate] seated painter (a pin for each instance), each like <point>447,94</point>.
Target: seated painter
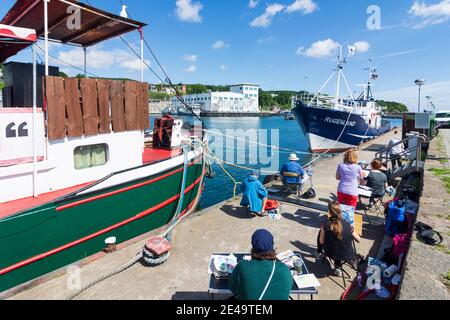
<point>335,238</point>
<point>377,180</point>
<point>254,194</point>
<point>292,172</point>
<point>263,277</point>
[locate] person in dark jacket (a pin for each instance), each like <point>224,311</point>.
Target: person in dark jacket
<point>336,238</point>
<point>263,277</point>
<point>254,194</point>
<point>377,180</point>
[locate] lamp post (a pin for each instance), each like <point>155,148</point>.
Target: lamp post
<point>420,83</point>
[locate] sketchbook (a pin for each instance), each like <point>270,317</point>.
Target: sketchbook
<point>306,281</point>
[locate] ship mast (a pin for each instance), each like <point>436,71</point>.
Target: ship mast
<point>371,76</point>
<point>340,63</point>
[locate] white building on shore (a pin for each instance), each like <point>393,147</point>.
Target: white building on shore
<point>242,98</point>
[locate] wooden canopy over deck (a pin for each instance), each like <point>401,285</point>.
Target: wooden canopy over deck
<point>95,25</point>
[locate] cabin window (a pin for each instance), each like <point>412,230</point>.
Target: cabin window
<point>90,156</point>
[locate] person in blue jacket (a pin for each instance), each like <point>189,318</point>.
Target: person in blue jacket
<point>292,166</point>
<point>254,194</point>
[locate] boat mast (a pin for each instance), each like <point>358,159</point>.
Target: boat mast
<point>371,76</point>
<point>46,35</point>
<point>339,70</point>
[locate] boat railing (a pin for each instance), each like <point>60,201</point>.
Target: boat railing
<point>326,101</point>
<point>413,154</point>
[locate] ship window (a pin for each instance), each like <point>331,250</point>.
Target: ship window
<point>90,156</point>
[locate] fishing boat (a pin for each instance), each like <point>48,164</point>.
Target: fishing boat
<point>336,124</point>
<point>74,168</point>
<point>194,109</point>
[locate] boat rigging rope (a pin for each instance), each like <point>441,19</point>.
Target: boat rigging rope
<point>145,254</point>
<point>273,147</point>
<point>168,80</point>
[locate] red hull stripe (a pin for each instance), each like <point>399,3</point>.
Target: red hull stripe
<point>112,193</point>
<point>98,233</point>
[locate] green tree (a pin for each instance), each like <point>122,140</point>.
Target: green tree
<point>159,96</point>
<point>63,75</point>
<point>392,106</point>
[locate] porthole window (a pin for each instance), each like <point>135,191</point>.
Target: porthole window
<point>90,156</point>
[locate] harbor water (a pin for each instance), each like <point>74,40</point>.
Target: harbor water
<point>287,135</point>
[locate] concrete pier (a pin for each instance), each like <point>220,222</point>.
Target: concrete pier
<point>223,228</point>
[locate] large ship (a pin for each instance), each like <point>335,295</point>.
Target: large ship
<point>74,166</point>
<point>335,124</point>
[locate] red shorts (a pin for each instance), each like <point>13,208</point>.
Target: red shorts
<point>347,199</point>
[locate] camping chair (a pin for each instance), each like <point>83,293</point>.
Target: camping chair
<point>293,188</point>
<point>373,204</point>
<point>344,274</point>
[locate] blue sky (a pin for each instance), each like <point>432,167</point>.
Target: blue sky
<point>282,44</point>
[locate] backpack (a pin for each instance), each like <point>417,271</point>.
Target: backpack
<point>395,220</point>
<point>310,194</point>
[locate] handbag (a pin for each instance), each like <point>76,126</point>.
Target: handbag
<point>425,234</point>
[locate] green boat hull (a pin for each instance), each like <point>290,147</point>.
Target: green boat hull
<point>57,234</point>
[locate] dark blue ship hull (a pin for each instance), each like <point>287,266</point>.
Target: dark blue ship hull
<point>327,131</point>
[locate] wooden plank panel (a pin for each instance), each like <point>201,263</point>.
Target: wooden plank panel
<point>90,109</point>
<point>139,106</point>
<point>56,107</point>
<point>117,105</point>
<point>103,105</point>
<point>146,116</point>
<point>73,108</point>
<point>131,118</point>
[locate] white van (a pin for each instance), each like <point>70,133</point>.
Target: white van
<point>443,118</point>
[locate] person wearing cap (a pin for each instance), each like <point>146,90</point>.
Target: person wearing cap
<point>292,166</point>
<point>254,194</point>
<point>396,151</point>
<point>263,277</point>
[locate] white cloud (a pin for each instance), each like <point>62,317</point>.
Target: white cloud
<point>101,59</point>
<point>220,44</point>
<point>96,58</point>
<point>188,11</point>
<point>127,61</point>
<point>361,46</point>
<point>190,57</point>
<point>191,69</point>
<point>223,67</point>
<point>408,95</point>
<point>430,14</point>
<point>320,49</point>
<point>252,4</point>
<point>265,19</point>
<point>305,6</point>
